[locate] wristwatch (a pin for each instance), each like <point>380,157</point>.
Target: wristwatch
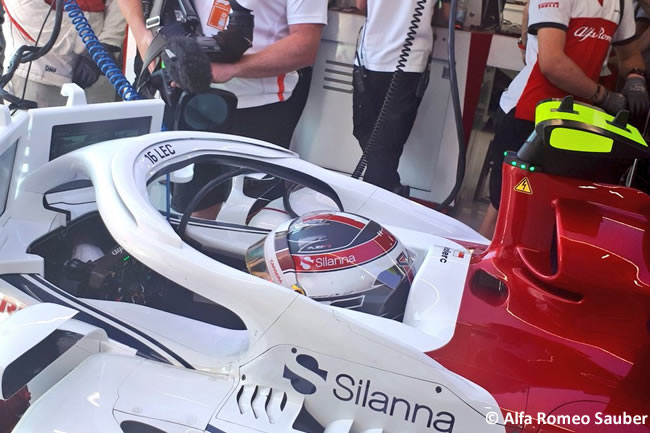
<point>520,44</point>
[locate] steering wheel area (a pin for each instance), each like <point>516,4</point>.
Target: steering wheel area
<point>283,180</point>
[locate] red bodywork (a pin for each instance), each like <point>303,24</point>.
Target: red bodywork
<point>12,409</point>
<point>555,317</point>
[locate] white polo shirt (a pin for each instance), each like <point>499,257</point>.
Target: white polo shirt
<point>272,21</point>
<point>592,26</point>
<point>383,36</point>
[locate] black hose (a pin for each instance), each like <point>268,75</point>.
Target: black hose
<point>392,88</point>
<point>27,53</point>
<point>458,113</point>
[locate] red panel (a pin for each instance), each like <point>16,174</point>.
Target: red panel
<point>566,328</point>
<point>12,409</point>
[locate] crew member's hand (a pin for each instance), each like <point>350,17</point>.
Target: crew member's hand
<point>636,92</point>
<point>612,102</point>
<point>521,44</point>
<point>224,72</point>
<point>86,72</point>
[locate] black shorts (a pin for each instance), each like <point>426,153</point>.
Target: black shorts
<point>204,172</point>
<point>511,134</point>
<point>273,123</point>
<point>388,146</point>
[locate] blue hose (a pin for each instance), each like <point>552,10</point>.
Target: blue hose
<point>98,53</point>
<point>108,67</point>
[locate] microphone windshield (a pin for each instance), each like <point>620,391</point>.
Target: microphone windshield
<point>187,64</point>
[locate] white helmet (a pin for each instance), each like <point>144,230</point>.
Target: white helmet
<point>337,258</point>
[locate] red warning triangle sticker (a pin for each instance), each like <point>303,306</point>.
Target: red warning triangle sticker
<point>524,186</point>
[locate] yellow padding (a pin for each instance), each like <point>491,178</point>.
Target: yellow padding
<point>580,141</point>
<point>589,115</point>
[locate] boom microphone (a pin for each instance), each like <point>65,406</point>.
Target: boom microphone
<point>187,64</point>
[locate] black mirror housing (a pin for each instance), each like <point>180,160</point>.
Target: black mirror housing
<point>210,111</point>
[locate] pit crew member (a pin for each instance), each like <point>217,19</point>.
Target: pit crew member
<point>271,99</point>
<point>30,22</point>
<point>380,46</point>
<point>568,42</point>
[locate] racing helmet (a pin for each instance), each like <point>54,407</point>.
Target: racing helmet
<point>339,259</point>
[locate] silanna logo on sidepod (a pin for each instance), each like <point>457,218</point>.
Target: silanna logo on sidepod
<point>306,376</point>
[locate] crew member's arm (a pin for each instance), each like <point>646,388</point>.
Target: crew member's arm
<point>558,68</point>
<point>132,11</point>
<point>643,27</point>
<point>635,89</point>
<point>86,71</point>
<point>523,40</point>
<point>550,25</point>
<point>629,58</point>
<point>296,51</point>
<point>524,24</point>
<point>114,25</point>
<point>644,38</point>
<point>630,62</point>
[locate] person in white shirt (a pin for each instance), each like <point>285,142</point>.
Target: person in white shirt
<point>380,47</point>
<point>568,43</point>
<point>266,80</point>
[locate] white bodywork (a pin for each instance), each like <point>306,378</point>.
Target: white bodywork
<point>350,371</point>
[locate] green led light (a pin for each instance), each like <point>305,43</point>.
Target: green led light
<point>514,163</point>
<point>532,168</point>
<point>505,153</point>
<point>126,258</point>
<point>523,166</point>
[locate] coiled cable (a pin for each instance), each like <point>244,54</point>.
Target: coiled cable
<point>98,53</point>
<point>392,88</point>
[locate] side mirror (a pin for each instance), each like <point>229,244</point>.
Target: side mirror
<point>210,112</point>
